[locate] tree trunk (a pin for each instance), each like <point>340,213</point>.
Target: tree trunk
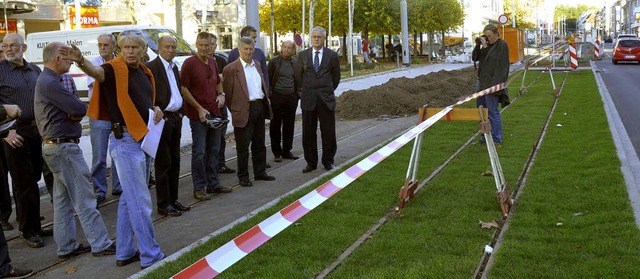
<point>442,49</point>
<point>344,44</point>
<point>312,9</point>
<point>421,44</point>
<point>415,44</point>
<point>430,34</point>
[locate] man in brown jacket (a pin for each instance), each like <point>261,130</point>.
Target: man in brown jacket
<point>245,88</point>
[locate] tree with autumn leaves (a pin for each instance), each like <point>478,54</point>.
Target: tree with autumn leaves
<point>370,17</point>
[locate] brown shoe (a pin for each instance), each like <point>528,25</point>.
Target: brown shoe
<point>219,190</point>
<point>201,195</point>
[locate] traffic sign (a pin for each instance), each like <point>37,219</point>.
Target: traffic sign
<point>298,40</point>
<point>503,18</point>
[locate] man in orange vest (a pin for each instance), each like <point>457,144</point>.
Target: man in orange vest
<point>128,111</point>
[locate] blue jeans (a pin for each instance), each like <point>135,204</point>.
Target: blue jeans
<point>491,103</point>
<point>134,209</point>
<point>72,191</point>
<point>204,155</point>
<point>99,132</point>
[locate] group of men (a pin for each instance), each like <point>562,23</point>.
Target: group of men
<point>122,89</point>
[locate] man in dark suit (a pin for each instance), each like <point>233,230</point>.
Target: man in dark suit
<point>320,70</point>
<point>169,99</point>
<point>249,105</point>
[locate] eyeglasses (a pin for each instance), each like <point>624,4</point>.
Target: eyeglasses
<point>13,46</point>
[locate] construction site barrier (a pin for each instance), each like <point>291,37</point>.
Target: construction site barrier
<point>228,254</point>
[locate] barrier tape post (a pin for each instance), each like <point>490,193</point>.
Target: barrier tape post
<point>574,56</point>
<point>596,52</point>
<point>524,76</point>
<point>555,90</point>
<point>502,193</point>
<point>228,254</point>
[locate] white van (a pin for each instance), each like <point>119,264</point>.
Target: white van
<point>87,41</point>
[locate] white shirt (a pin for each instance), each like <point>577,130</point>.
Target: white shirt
<point>254,81</point>
<point>96,61</point>
<point>175,103</point>
<point>319,56</point>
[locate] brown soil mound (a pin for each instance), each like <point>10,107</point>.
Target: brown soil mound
<point>404,96</point>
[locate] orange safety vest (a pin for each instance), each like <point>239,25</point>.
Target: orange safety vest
<point>98,109</point>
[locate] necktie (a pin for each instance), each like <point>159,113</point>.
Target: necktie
<point>316,61</point>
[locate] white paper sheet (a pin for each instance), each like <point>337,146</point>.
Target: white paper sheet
<point>152,138</point>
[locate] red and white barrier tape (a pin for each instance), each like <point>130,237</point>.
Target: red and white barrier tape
<point>230,253</point>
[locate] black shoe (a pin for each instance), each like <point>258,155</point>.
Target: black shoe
<point>170,211</point>
<point>265,177</point>
<point>245,183</point>
<point>6,226</point>
<point>278,159</point>
<point>219,190</point>
<point>78,251</point>
<point>111,250</point>
<point>329,167</point>
<point>267,165</point>
<point>290,156</point>
<point>308,168</point>
<point>177,205</point>
<point>19,273</point>
<point>46,232</point>
<point>116,193</point>
<point>134,258</point>
<point>35,241</point>
<point>225,169</point>
<point>99,200</point>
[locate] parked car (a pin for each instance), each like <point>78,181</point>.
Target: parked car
<point>623,36</point>
<point>607,39</point>
<point>626,49</point>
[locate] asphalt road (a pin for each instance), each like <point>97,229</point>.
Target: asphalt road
<point>622,83</point>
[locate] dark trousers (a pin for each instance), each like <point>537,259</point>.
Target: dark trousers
<point>5,261</point>
<point>223,142</point>
<point>26,169</point>
<point>167,162</point>
<point>327,119</point>
<point>281,127</point>
<point>5,195</point>
<point>252,134</point>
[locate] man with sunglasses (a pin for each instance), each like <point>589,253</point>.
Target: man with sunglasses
<point>203,96</point>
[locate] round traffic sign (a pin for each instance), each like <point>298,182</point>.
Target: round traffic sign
<point>298,39</point>
<point>503,19</point>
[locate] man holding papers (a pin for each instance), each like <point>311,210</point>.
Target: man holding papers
<point>129,91</point>
<point>169,99</point>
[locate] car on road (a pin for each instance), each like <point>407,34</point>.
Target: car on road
<point>607,39</point>
<point>625,36</point>
<point>627,49</point>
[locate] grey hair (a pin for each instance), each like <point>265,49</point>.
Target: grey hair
<point>18,36</point>
<point>286,42</point>
<point>165,37</point>
<point>321,30</point>
<point>133,36</point>
<point>246,41</point>
<point>110,36</point>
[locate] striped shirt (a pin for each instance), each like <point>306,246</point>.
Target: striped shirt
<point>17,86</point>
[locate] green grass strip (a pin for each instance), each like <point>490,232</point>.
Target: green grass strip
<point>438,235</point>
<point>574,218</point>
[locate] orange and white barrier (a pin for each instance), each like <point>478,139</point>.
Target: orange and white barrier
<point>228,254</point>
<point>596,52</point>
<point>574,56</point>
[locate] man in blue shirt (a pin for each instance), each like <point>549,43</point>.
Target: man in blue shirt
<point>58,113</point>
